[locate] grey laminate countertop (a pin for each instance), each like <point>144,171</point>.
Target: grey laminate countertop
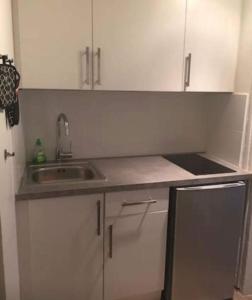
<point>128,174</point>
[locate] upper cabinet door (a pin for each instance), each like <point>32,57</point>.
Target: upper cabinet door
<point>138,44</point>
<point>55,40</point>
<point>212,35</point>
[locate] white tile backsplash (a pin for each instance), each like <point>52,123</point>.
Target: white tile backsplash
<point>226,127</point>
<point>106,124</point>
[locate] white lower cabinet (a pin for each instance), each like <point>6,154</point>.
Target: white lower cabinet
<point>65,252</point>
<point>135,244</point>
<point>61,248</point>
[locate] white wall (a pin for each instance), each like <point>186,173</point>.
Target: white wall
<point>244,84</point>
<point>17,131</point>
<point>6,47</point>
<point>7,194</point>
<point>19,160</point>
<point>116,123</point>
<point>244,67</point>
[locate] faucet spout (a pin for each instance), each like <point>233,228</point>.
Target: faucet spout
<point>60,154</point>
<point>66,124</point>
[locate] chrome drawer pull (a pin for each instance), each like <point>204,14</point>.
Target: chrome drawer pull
<point>98,217</point>
<point>110,241</point>
<point>139,202</point>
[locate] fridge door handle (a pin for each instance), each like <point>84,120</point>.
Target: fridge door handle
<point>212,187</point>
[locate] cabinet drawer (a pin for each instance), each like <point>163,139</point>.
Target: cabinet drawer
<point>135,202</point>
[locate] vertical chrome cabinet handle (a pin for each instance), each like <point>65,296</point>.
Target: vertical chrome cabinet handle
<point>98,54</point>
<point>110,241</point>
<point>85,75</point>
<point>188,70</point>
<point>98,205</point>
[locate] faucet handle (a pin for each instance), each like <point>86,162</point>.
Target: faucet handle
<point>67,154</point>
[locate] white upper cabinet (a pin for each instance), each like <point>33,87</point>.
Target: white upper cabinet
<point>141,44</point>
<point>212,35</point>
<point>53,38</point>
<point>128,45</point>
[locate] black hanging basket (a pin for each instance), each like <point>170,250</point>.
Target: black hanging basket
<point>9,83</point>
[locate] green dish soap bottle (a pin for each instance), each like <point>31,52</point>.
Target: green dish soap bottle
<point>39,156</point>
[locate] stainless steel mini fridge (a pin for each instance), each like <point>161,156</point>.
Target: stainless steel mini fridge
<point>205,231</point>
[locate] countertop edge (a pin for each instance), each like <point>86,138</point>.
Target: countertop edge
<point>136,186</point>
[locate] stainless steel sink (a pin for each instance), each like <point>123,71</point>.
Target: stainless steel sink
<point>62,173</point>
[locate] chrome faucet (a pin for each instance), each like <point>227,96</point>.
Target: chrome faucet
<point>60,153</point>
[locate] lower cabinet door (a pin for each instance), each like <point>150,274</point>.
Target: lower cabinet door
<point>61,248</point>
<point>135,250</point>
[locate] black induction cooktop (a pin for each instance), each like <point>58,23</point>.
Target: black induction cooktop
<point>197,164</point>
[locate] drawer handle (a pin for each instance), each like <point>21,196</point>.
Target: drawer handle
<point>98,218</point>
<point>110,241</point>
<point>139,202</point>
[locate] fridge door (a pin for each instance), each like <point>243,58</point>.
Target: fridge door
<point>208,226</point>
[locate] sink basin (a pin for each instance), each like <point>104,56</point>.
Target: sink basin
<point>62,173</point>
<point>197,165</point>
